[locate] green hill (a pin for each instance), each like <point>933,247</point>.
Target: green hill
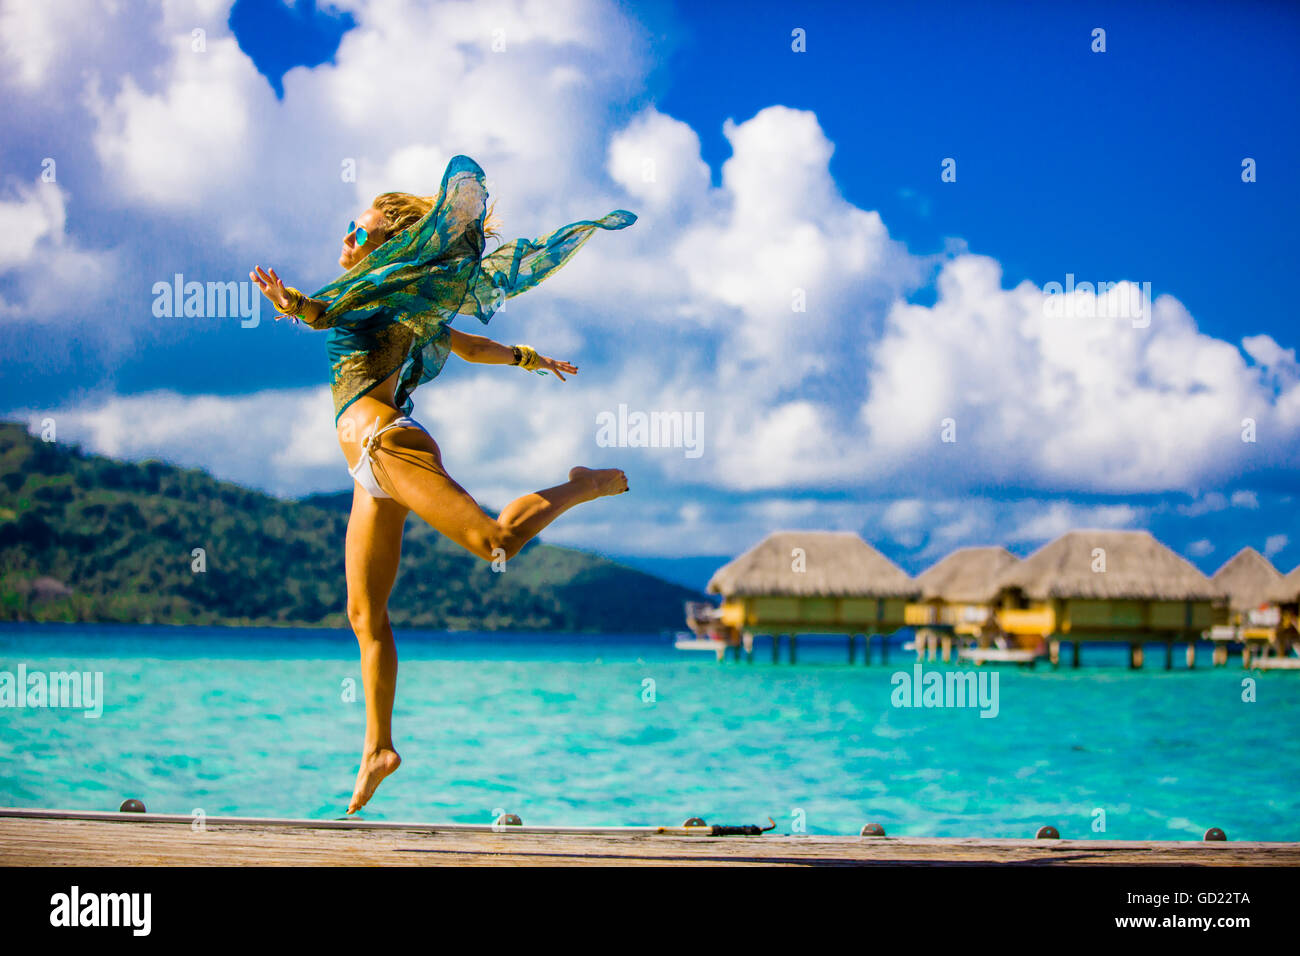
<point>89,538</point>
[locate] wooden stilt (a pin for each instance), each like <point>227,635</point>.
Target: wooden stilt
<point>1054,651</point>
<point>1135,655</point>
<point>776,648</point>
<point>1169,655</point>
<point>884,648</point>
<point>946,645</point>
<point>1220,655</point>
<point>853,649</point>
<point>1191,654</point>
<point>1074,652</point>
<point>794,641</point>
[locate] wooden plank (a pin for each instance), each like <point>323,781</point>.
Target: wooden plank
<point>99,842</point>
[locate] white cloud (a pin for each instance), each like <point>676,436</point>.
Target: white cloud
<point>694,308</point>
<point>193,144</point>
<point>656,159</point>
<point>38,258</point>
<point>280,440</point>
<point>1264,350</point>
<point>36,36</point>
<point>903,515</point>
<point>1073,403</point>
<point>30,215</point>
<point>1210,502</point>
<point>1061,516</point>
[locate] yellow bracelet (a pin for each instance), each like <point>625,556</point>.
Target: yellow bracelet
<point>529,359</point>
<point>296,302</point>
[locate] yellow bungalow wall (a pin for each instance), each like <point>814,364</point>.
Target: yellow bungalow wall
<point>1067,615</point>
<point>777,614</point>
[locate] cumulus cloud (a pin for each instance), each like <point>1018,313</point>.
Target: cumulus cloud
<point>30,216</point>
<point>1275,543</point>
<point>280,440</point>
<point>769,304</point>
<point>1061,516</point>
<point>34,36</point>
<point>1073,403</point>
<point>38,258</point>
<point>191,144</point>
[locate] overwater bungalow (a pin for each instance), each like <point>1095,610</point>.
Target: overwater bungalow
<point>812,582</point>
<point>1104,585</point>
<point>956,600</point>
<point>1284,650</point>
<point>1247,615</point>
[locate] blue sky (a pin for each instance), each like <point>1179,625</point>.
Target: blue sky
<point>775,170</point>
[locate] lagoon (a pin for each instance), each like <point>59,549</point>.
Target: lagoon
<point>579,730</point>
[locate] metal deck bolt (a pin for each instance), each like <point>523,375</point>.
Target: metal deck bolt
<point>695,822</point>
<point>508,820</point>
<point>873,829</point>
<point>131,806</point>
<point>1047,833</point>
<point>1214,834</point>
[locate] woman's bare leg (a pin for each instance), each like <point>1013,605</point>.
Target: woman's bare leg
<point>409,467</point>
<point>374,548</point>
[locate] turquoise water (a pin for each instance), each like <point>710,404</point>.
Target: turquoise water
<point>562,729</point>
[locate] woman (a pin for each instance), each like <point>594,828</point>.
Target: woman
<point>413,263</point>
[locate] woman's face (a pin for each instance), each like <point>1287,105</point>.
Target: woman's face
<point>372,222</point>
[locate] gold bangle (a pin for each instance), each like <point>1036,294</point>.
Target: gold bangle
<point>296,302</point>
<point>529,359</point>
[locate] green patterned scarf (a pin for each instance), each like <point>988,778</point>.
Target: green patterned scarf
<point>392,309</point>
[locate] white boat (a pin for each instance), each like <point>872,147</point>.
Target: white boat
<point>1009,655</point>
<point>686,641</point>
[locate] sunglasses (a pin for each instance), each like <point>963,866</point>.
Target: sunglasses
<point>362,235</point>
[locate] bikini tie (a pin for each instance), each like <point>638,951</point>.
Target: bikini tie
<point>370,443</point>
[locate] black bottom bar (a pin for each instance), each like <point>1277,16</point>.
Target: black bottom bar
<point>957,902</point>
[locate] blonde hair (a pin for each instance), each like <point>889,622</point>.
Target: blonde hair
<point>404,209</point>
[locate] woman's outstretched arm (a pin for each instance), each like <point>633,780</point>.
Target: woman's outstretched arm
<point>482,350</point>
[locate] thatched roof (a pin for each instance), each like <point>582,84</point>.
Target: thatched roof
<point>966,576</point>
<point>836,564</point>
<point>1138,567</point>
<point>1248,577</point>
<point>1287,590</point>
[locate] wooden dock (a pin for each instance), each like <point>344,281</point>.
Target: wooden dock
<point>75,838</point>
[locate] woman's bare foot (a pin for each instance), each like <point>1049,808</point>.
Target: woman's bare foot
<point>374,768</point>
<point>600,481</point>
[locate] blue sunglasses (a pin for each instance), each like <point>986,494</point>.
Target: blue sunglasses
<point>362,235</point>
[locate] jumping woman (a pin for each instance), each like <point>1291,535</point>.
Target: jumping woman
<point>414,263</point>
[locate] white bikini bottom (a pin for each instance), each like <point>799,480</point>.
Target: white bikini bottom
<point>363,470</point>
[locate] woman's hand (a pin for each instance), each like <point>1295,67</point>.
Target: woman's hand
<point>555,366</point>
<point>272,288</point>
